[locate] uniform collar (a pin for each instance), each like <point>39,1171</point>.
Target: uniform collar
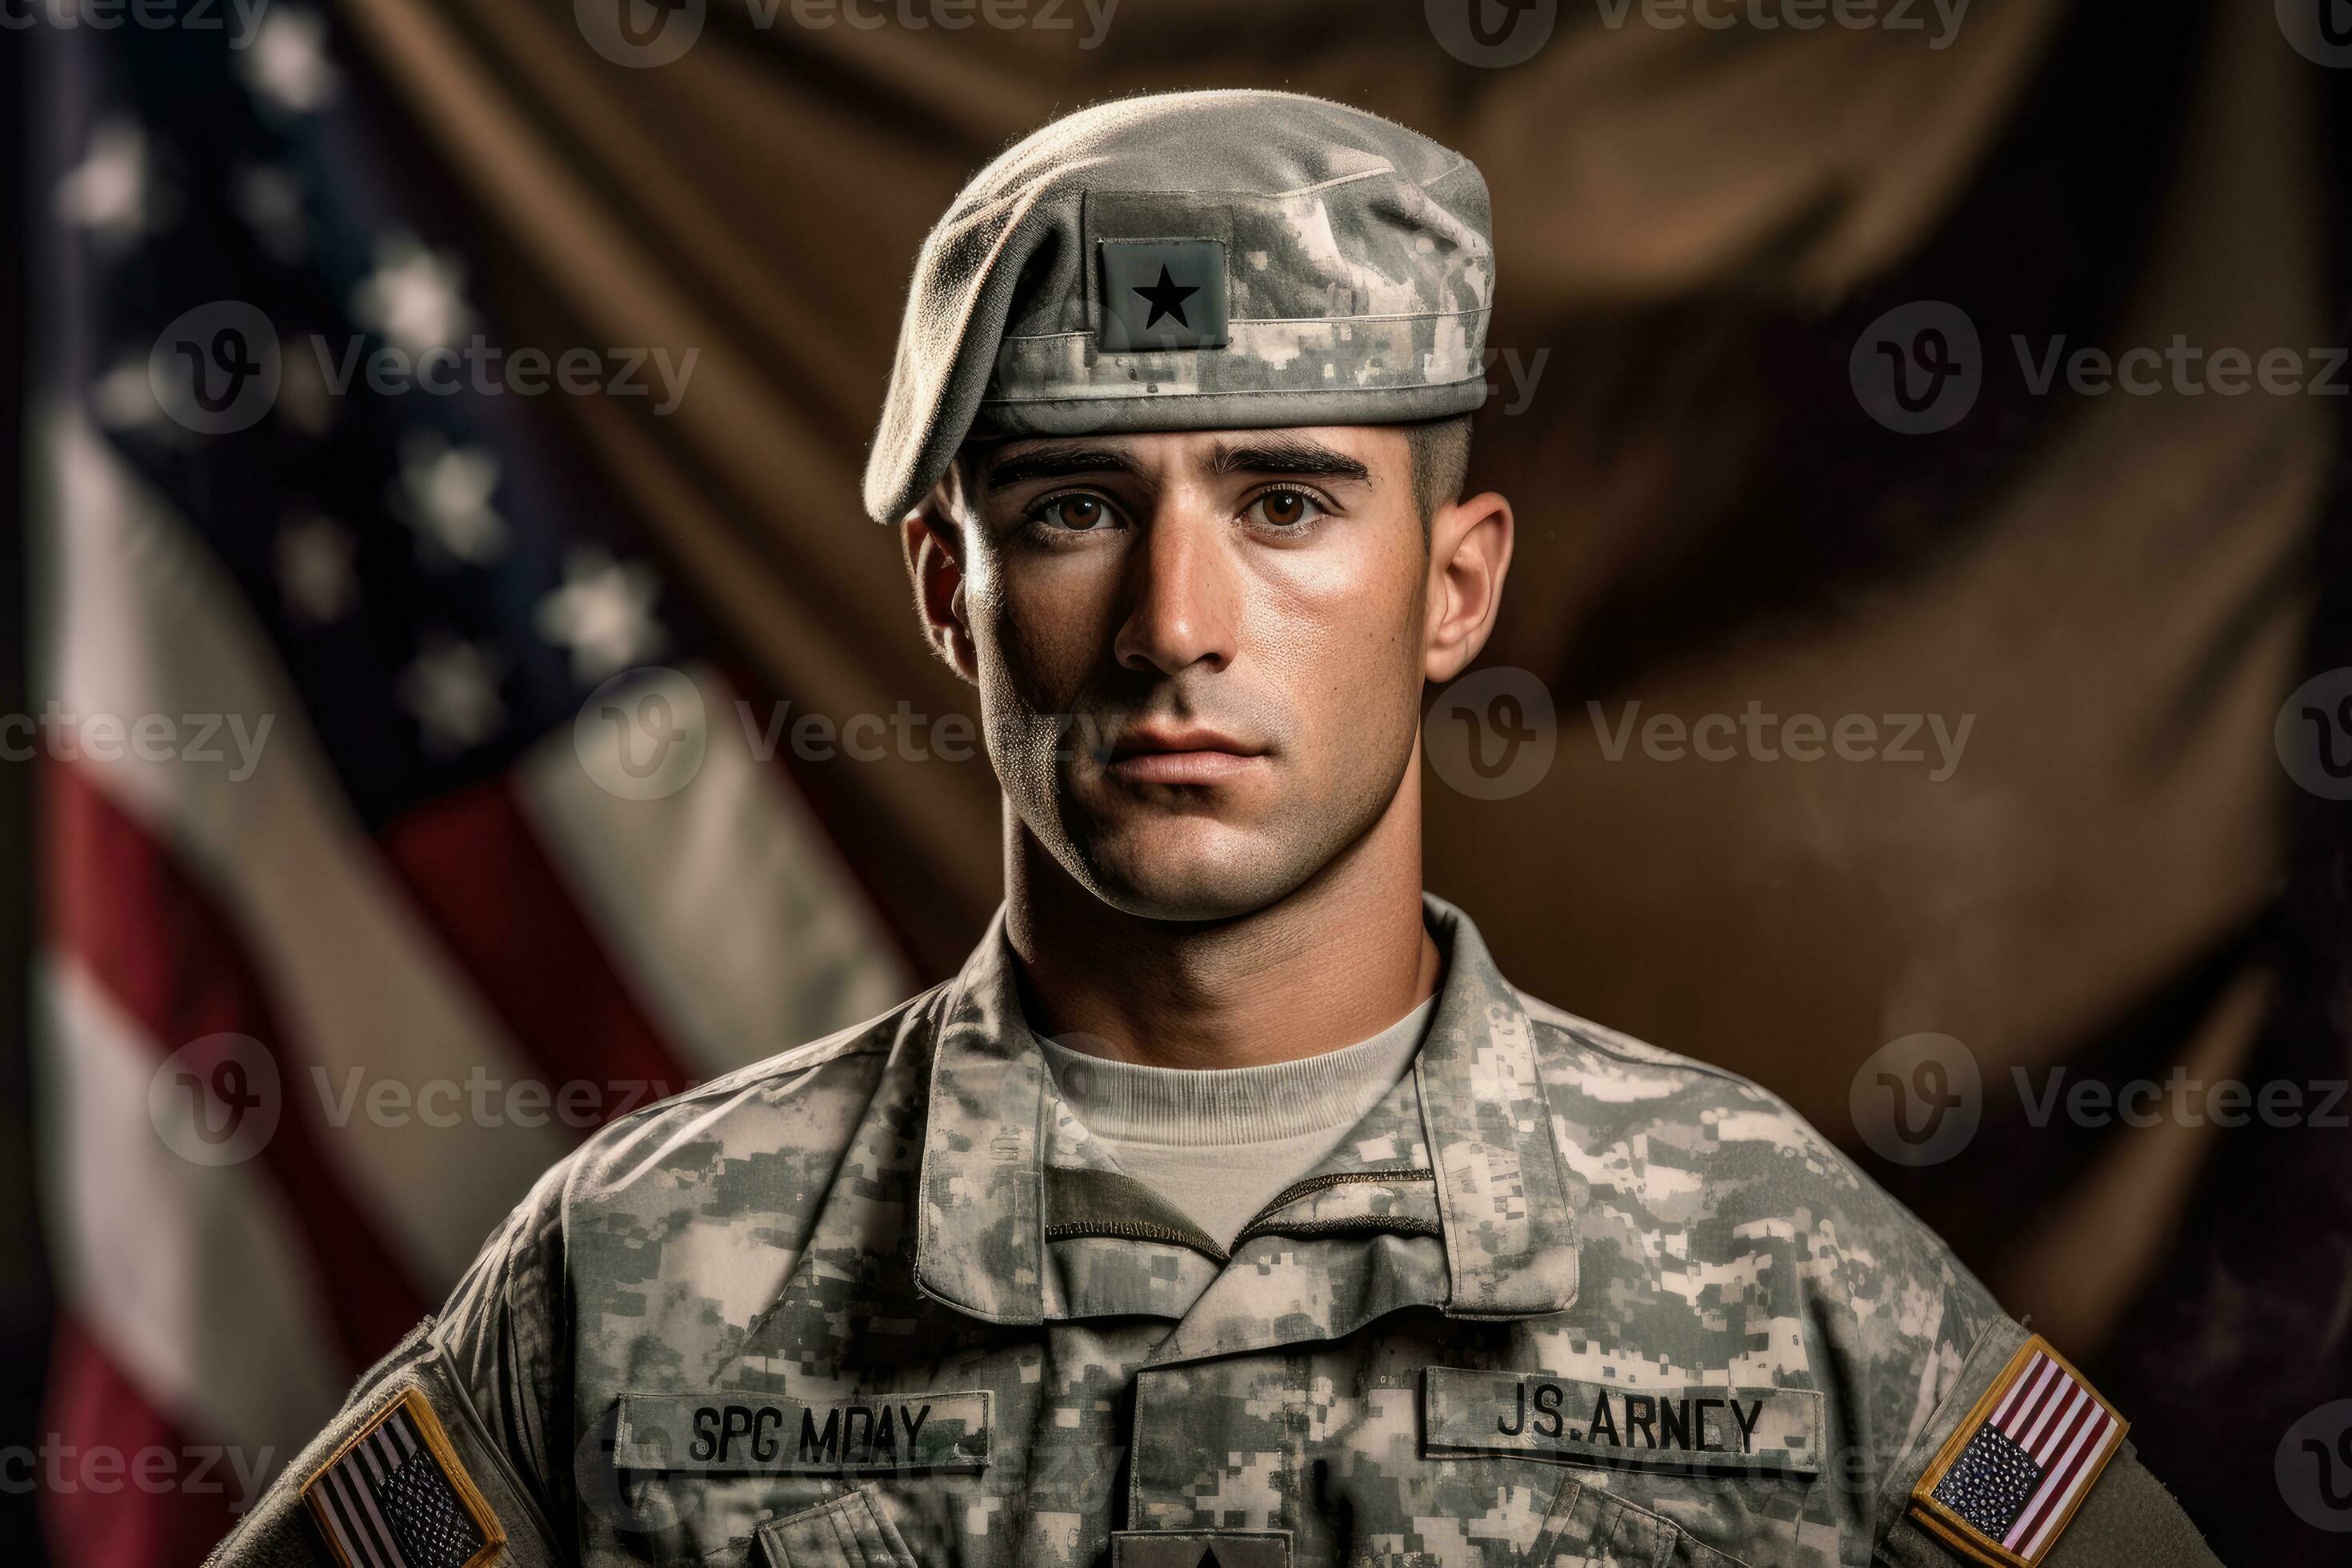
<point>1501,1192</point>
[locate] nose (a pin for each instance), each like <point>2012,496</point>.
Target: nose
<point>1183,593</point>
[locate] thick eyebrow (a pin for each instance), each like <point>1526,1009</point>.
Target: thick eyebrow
<point>1057,462</point>
<point>1272,454</point>
<point>1287,455</point>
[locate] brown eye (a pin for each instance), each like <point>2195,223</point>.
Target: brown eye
<point>1076,513</point>
<point>1286,508</point>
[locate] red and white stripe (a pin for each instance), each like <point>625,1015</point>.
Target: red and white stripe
<point>2067,1433</point>
<point>510,930</point>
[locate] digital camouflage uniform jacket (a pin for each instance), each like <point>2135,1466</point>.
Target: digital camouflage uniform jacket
<point>1561,1298</point>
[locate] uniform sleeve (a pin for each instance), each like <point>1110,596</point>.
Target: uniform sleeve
<point>2124,1519</point>
<point>460,1434</point>
<point>505,1333</point>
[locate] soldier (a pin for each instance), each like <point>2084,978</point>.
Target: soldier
<point>1230,1208</point>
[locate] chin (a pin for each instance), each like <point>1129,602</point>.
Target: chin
<point>1184,868</point>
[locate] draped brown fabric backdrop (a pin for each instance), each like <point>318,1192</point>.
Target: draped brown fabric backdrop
<point>1694,228</point>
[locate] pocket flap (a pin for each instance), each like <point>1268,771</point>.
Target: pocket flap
<point>846,1532</point>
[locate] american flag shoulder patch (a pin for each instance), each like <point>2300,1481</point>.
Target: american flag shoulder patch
<point>395,1496</point>
<point>2009,1477</point>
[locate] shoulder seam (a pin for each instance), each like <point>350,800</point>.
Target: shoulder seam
<point>797,1059</point>
<point>873,1037</point>
<point>1601,1039</point>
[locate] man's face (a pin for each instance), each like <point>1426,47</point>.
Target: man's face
<point>1200,655</point>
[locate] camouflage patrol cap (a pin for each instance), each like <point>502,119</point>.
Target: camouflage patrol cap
<point>1190,261</point>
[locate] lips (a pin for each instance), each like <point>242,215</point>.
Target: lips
<point>1169,754</point>
<point>1148,738</point>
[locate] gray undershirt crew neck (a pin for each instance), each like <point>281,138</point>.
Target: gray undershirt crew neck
<point>1219,1142</point>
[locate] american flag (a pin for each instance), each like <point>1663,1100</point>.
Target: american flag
<point>2018,1474</point>
<point>331,888</point>
<point>394,1497</point>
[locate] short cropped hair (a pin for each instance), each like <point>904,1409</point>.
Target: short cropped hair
<point>1441,461</point>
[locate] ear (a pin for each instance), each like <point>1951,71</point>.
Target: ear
<point>1469,555</point>
<point>932,547</point>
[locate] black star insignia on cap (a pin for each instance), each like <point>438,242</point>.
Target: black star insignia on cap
<point>1144,307</point>
<point>1166,298</point>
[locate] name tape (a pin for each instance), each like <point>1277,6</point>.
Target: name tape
<point>766,1434</point>
<point>1702,1426</point>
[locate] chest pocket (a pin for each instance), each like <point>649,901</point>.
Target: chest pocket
<point>1587,1528</point>
<point>849,1531</point>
